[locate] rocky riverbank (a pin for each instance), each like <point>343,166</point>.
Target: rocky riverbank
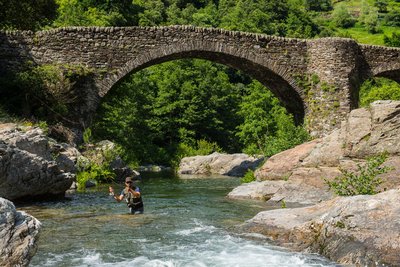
<point>19,233</point>
<point>297,175</point>
<point>359,230</point>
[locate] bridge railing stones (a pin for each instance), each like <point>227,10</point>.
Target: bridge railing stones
<point>341,65</point>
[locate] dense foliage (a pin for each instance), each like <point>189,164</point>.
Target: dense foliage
<point>192,106</point>
<point>379,89</point>
<point>42,92</point>
<point>26,14</point>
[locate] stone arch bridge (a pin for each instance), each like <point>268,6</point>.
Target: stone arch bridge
<point>316,80</point>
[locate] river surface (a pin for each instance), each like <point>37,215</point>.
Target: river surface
<point>187,222</point>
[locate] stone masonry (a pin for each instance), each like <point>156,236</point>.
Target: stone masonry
<point>316,80</point>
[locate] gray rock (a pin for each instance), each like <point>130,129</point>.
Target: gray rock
<point>217,163</point>
<point>31,171</point>
<point>292,192</point>
<point>66,156</point>
<point>360,230</point>
<point>153,168</point>
<point>19,233</point>
<point>256,190</point>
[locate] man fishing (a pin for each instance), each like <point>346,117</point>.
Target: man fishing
<point>132,196</point>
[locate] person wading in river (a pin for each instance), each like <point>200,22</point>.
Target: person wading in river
<point>132,196</point>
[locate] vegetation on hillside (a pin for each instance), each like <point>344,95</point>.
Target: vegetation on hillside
<point>188,106</point>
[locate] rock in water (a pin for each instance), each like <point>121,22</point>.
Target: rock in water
<point>217,163</point>
<point>361,230</point>
<point>19,233</point>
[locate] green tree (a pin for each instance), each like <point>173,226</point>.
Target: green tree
<point>341,17</point>
<point>26,14</point>
<point>393,40</point>
<point>378,89</point>
<point>153,12</point>
<point>258,118</point>
<point>180,102</point>
<point>392,18</point>
<point>318,5</point>
<point>255,16</point>
<point>381,5</point>
<point>267,128</point>
<point>364,12</point>
<point>97,13</point>
<point>371,21</point>
<point>300,25</point>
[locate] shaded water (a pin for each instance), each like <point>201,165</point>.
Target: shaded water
<point>186,223</point>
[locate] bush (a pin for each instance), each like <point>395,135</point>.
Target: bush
<point>394,40</point>
<point>381,5</point>
<point>43,92</point>
<point>393,18</point>
<point>96,166</point>
<point>248,177</point>
<point>318,5</point>
<point>341,17</point>
<point>371,22</point>
<point>378,89</point>
<point>96,172</point>
<point>363,182</point>
<point>202,147</point>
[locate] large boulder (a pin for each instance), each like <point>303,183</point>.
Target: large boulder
<point>361,230</point>
<point>366,132</point>
<point>19,233</point>
<point>218,163</point>
<point>33,165</point>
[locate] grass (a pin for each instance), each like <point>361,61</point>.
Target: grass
<point>361,35</point>
<point>359,32</point>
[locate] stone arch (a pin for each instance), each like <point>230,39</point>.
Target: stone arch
<point>382,61</point>
<point>276,78</point>
<point>393,74</point>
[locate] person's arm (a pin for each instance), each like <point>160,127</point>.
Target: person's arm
<point>117,198</point>
<point>135,192</point>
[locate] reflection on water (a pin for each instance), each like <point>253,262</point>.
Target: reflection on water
<point>186,223</point>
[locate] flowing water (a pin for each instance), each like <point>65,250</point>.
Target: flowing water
<point>187,222</point>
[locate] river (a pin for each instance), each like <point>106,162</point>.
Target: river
<point>187,222</point>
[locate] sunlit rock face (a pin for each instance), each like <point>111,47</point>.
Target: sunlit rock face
<point>218,163</point>
<point>360,230</point>
<point>19,233</point>
<point>303,169</point>
<point>33,165</point>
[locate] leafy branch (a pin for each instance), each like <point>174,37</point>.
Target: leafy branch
<point>364,181</point>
